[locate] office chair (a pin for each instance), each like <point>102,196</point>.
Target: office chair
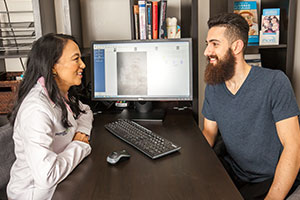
<point>7,157</point>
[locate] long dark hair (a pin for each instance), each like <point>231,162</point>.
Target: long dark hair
<point>45,52</point>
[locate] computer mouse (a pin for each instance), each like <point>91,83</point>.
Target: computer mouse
<point>116,156</point>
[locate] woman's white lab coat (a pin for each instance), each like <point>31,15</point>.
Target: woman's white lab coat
<point>45,152</point>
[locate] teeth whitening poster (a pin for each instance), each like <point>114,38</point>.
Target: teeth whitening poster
<point>248,10</point>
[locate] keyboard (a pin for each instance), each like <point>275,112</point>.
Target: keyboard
<point>141,138</point>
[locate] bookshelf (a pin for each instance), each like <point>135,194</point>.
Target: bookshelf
<point>188,21</point>
<point>21,23</point>
<point>272,56</point>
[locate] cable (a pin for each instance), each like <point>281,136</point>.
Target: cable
<point>13,33</point>
<point>9,22</point>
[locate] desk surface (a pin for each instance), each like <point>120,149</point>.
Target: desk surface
<point>192,173</point>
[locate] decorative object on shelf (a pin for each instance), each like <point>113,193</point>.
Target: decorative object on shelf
<point>171,27</point>
<point>248,9</point>
<point>178,32</point>
<point>269,34</point>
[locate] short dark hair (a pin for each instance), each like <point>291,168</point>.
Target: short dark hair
<point>236,26</point>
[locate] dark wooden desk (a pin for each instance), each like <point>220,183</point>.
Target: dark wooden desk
<point>192,173</point>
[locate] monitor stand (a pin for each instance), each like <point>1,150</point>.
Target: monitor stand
<point>143,112</point>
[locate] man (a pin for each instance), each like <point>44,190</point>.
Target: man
<point>255,111</point>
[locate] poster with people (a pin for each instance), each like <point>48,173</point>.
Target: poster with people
<point>248,9</point>
<point>269,33</point>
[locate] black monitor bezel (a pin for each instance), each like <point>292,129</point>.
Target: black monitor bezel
<point>161,98</point>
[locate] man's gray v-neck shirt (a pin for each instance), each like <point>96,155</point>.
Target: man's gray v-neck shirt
<point>247,120</point>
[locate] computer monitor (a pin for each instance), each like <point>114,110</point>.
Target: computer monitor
<point>142,70</point>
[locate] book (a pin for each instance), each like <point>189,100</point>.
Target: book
<point>142,19</point>
<point>269,33</point>
<point>248,9</point>
<point>253,59</point>
<point>162,20</point>
<point>136,21</point>
<point>154,19</point>
<point>149,19</point>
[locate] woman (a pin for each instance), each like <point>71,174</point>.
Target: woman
<point>51,126</point>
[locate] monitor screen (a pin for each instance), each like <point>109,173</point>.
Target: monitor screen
<point>142,70</point>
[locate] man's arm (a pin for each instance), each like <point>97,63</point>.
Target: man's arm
<point>210,131</point>
<point>289,162</point>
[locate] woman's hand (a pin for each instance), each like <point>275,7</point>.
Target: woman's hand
<point>81,137</point>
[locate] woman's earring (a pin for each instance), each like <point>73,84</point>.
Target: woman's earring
<point>54,73</point>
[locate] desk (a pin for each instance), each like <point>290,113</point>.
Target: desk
<point>193,173</point>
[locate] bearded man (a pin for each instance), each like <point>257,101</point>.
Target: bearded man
<point>255,111</point>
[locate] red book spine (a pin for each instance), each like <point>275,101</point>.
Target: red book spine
<point>155,19</point>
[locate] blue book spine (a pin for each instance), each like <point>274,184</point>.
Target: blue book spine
<point>149,20</point>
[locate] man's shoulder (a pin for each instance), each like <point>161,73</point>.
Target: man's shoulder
<point>267,74</point>
<point>265,70</point>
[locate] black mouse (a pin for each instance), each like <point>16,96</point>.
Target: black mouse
<point>115,156</point>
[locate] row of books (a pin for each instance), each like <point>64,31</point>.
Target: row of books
<point>269,31</point>
<point>150,18</point>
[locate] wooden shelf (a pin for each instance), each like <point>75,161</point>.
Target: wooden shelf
<point>24,24</point>
<point>268,46</point>
<point>256,48</point>
<point>14,54</point>
<point>17,37</point>
<point>19,12</point>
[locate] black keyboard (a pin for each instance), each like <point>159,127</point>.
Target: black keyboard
<point>142,138</point>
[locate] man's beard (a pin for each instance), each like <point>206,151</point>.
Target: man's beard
<point>222,71</point>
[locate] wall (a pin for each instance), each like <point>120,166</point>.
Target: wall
<point>296,73</point>
<point>110,19</point>
<point>105,19</point>
<point>203,16</point>
<point>101,19</point>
